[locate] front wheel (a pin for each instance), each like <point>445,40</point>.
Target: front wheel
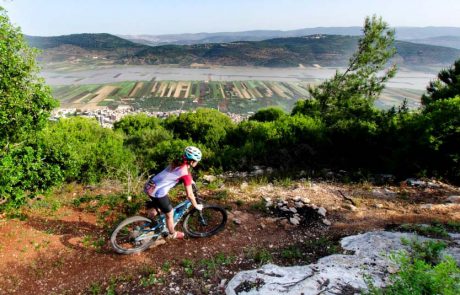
<point>134,235</point>
<point>205,223</point>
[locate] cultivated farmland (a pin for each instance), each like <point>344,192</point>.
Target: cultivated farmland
<point>228,96</point>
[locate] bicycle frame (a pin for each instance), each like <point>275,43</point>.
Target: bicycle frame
<point>178,211</point>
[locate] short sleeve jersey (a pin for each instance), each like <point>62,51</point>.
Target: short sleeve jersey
<point>167,179</point>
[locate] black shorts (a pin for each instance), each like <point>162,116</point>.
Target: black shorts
<point>163,204</point>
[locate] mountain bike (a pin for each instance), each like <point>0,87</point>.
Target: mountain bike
<point>136,234</point>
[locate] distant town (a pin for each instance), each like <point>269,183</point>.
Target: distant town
<point>107,117</point>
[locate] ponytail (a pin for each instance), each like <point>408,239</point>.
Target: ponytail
<point>179,161</point>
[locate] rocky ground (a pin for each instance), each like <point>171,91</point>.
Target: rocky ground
<point>60,246</point>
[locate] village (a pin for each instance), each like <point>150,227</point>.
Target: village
<point>107,117</point>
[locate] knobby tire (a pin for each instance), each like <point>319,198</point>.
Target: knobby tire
<point>215,218</point>
<point>122,238</point>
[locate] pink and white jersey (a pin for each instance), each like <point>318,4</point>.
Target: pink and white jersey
<point>167,179</point>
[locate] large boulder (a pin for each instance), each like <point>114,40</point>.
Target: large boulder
<point>335,274</point>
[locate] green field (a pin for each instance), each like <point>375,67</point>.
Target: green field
<point>238,97</point>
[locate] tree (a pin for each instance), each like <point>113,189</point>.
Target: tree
<point>25,105</point>
<point>25,101</point>
<point>206,126</point>
<point>352,93</point>
<point>268,114</point>
<point>446,86</point>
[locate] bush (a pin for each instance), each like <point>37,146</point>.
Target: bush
<point>418,276</point>
<point>142,136</point>
<point>268,114</point>
<point>26,171</point>
<point>441,137</point>
<point>206,126</point>
<point>133,124</point>
<point>289,142</point>
<point>166,151</point>
<point>85,151</point>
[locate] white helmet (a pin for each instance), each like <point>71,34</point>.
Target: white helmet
<point>192,153</point>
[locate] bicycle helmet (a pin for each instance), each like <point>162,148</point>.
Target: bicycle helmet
<point>192,153</point>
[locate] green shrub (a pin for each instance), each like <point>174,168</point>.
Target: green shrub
<point>260,255</point>
<point>428,251</point>
<point>26,171</point>
<point>268,114</point>
<point>206,126</point>
<point>434,231</point>
<point>417,274</point>
<point>85,151</point>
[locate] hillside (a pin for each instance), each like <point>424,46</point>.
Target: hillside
<point>81,46</point>
<point>63,242</point>
<point>402,33</point>
<point>449,41</point>
<point>325,50</point>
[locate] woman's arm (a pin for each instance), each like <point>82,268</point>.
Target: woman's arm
<point>191,197</point>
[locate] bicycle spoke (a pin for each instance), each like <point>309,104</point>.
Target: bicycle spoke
<point>205,223</point>
<point>135,234</point>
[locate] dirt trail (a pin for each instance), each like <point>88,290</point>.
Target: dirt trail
<point>66,252</point>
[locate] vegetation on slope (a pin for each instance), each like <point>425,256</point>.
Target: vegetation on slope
<point>338,128</point>
<point>325,50</point>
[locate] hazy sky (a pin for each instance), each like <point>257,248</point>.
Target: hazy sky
<point>59,17</point>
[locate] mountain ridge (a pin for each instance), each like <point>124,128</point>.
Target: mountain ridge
<point>323,50</point>
<point>402,33</point>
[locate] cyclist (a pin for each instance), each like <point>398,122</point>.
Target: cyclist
<point>158,186</point>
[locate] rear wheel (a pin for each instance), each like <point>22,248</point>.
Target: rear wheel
<point>208,222</point>
<point>134,235</point>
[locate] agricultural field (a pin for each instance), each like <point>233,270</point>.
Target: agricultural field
<point>238,97</point>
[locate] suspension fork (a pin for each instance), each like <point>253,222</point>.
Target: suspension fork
<point>202,219</point>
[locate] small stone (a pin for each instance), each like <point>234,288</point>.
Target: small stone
<point>351,207</point>
<point>392,269</point>
<point>453,199</point>
<point>294,221</point>
<point>236,221</point>
<point>285,209</point>
<point>299,204</point>
<point>267,199</point>
<point>271,219</point>
<point>293,210</point>
<point>269,204</point>
<point>327,222</point>
<point>306,200</point>
<point>280,204</point>
<point>380,206</point>
<point>209,178</point>
<point>322,211</point>
<point>244,186</point>
<point>262,226</point>
<point>222,283</point>
<point>284,222</point>
<point>426,206</point>
<point>297,198</point>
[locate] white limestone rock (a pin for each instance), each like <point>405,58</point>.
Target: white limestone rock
<point>331,274</point>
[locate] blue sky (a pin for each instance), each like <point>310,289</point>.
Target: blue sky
<point>59,17</point>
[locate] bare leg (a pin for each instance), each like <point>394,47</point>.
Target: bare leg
<point>152,213</point>
<point>170,221</point>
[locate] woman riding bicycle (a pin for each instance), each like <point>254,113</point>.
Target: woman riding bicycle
<point>157,187</point>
